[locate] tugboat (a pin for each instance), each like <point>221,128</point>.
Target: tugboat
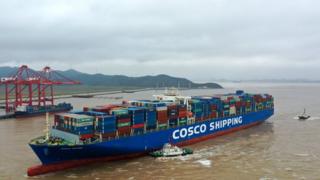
<point>303,116</point>
<point>169,150</point>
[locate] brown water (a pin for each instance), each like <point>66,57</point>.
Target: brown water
<point>281,148</point>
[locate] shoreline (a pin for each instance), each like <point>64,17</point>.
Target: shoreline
<point>101,93</point>
<point>73,95</point>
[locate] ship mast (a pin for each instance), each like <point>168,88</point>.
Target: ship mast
<point>47,126</point>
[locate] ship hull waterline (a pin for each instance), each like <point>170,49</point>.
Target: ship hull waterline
<point>57,158</point>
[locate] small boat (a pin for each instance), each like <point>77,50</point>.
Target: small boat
<point>128,91</point>
<point>83,96</point>
<point>169,150</point>
<point>303,116</point>
<point>114,97</point>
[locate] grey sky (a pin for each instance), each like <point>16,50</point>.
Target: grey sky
<point>200,40</point>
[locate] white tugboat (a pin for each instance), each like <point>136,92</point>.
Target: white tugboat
<point>169,150</point>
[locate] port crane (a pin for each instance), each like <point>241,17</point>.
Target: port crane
<point>26,86</point>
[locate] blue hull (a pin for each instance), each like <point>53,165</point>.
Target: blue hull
<point>144,143</point>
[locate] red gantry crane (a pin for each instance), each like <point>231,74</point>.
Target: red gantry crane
<point>29,87</point>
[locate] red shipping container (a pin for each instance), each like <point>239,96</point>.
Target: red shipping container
<point>109,135</point>
<point>213,115</point>
<point>162,118</point>
<point>172,106</point>
<point>85,109</point>
<point>206,118</point>
<point>86,136</point>
<point>226,101</point>
<point>138,126</point>
<point>198,119</point>
<point>124,129</point>
<point>162,121</point>
<point>105,108</point>
<point>183,114</point>
<point>238,104</point>
<point>124,133</point>
<point>162,115</point>
<point>213,107</point>
<point>124,120</point>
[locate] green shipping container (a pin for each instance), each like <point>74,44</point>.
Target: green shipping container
<point>120,112</point>
<point>184,120</point>
<point>195,101</point>
<point>82,120</point>
<point>197,110</point>
<point>124,124</point>
<point>162,126</point>
<point>183,124</point>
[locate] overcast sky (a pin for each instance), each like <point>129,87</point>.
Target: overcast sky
<point>201,40</point>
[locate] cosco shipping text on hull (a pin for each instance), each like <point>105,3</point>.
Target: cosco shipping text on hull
<point>202,128</point>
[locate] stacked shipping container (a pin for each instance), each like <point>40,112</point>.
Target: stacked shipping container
<point>77,124</point>
<point>137,117</point>
<point>151,119</point>
<point>123,121</point>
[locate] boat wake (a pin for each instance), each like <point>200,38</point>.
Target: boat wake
<point>204,162</point>
<point>312,118</point>
<point>200,157</point>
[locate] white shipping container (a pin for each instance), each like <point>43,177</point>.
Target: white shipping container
<point>223,98</point>
<point>164,108</point>
<point>73,138</point>
<point>232,110</point>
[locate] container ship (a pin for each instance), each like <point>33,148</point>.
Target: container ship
<point>135,128</point>
<point>28,111</point>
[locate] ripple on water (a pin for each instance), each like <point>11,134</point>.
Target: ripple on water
<point>204,162</point>
<point>72,176</point>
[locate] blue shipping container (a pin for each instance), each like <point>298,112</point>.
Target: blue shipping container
<point>83,128</point>
<point>103,131</point>
<point>151,118</point>
<point>138,118</point>
<point>149,127</point>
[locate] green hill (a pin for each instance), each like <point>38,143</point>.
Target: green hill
<point>101,80</point>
